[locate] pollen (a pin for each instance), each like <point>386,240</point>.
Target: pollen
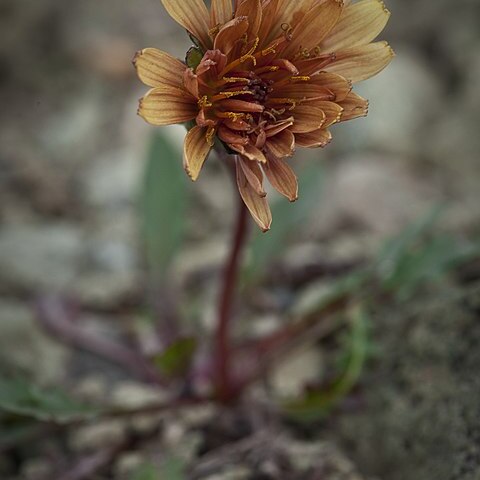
<point>210,136</point>
<point>302,78</point>
<point>204,102</point>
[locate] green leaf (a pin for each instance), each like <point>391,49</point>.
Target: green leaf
<point>176,359</point>
<point>418,255</point>
<point>317,403</point>
<point>20,397</point>
<point>163,204</point>
<point>287,218</point>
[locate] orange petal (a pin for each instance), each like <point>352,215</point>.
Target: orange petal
<point>360,63</point>
<point>229,136</point>
<point>253,174</point>
<point>167,105</point>
<point>281,145</point>
<point>230,33</point>
<point>359,24</point>
<point>249,151</point>
<point>221,12</point>
<point>195,151</point>
<point>257,205</point>
<point>269,10</point>
<point>252,9</point>
<point>314,26</point>
<point>307,119</point>
<point>333,112</point>
<point>191,15</point>
<point>190,81</point>
<point>354,106</point>
<point>318,138</point>
<point>337,84</point>
<point>302,91</point>
<point>282,177</point>
<point>288,13</point>
<point>156,68</point>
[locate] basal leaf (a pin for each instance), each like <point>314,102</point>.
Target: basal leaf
<point>163,203</point>
<point>18,396</point>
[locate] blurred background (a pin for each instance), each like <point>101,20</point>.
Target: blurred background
<point>79,182</point>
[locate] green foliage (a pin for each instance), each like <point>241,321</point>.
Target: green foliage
<point>287,220</point>
<point>176,359</point>
<point>18,396</point>
<point>163,204</point>
<point>418,255</point>
<point>318,402</point>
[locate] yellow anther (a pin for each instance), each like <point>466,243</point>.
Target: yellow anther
<point>235,93</point>
<point>269,50</point>
<point>214,31</point>
<point>204,102</point>
<point>209,137</point>
<point>302,78</point>
<point>235,80</point>
<point>249,54</point>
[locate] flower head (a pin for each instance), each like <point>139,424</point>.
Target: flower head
<point>271,75</point>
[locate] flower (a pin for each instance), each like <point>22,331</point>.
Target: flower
<point>273,75</point>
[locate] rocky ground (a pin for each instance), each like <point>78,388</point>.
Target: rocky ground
<point>72,157</point>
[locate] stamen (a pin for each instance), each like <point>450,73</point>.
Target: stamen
<point>269,50</point>
<point>204,102</point>
<point>288,30</point>
<point>210,136</point>
<point>302,78</point>
<point>235,80</point>
<point>231,115</point>
<point>249,54</point>
<point>214,31</point>
<point>222,95</point>
<point>272,68</point>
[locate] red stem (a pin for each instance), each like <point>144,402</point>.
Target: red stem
<point>224,349</point>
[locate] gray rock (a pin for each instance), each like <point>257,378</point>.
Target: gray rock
<point>40,256</point>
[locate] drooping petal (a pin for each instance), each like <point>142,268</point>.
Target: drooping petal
<point>318,138</point>
<point>354,106</point>
<point>281,145</point>
<point>195,151</point>
<point>156,68</point>
<point>252,9</point>
<point>221,12</point>
<point>360,63</point>
<point>307,119</point>
<point>249,151</point>
<point>191,15</point>
<point>360,23</point>
<point>167,106</point>
<point>282,177</point>
<point>314,26</point>
<point>254,175</point>
<point>256,204</point>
